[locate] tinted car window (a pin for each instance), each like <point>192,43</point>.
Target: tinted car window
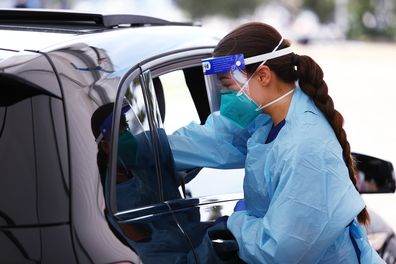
<point>18,182</point>
<point>139,179</point>
<point>137,183</point>
<point>33,159</point>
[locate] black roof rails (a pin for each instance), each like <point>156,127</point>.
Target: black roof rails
<point>47,17</point>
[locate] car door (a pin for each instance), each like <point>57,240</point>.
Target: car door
<point>204,191</point>
<point>166,225</point>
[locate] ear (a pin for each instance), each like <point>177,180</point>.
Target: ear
<point>264,75</point>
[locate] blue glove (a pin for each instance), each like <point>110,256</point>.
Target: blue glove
<point>221,219</point>
<point>240,206</point>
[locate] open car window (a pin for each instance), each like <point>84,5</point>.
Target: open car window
<point>186,101</point>
<point>185,98</point>
<point>180,109</point>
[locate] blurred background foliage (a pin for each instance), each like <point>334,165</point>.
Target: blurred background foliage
<point>355,19</point>
<point>371,19</point>
<point>363,19</point>
<point>229,8</point>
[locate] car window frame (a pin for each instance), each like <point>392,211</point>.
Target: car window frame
<point>149,212</point>
<point>175,62</point>
<point>110,183</point>
<point>179,61</point>
<point>158,65</point>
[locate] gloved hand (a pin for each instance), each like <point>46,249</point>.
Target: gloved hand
<point>219,228</point>
<point>221,219</point>
<point>219,231</point>
<point>240,206</point>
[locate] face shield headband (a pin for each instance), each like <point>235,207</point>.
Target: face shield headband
<point>228,73</point>
<point>105,127</point>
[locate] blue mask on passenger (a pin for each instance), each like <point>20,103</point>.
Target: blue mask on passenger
<point>239,109</point>
<point>127,149</point>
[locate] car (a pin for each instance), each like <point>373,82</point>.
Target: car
<point>56,205</point>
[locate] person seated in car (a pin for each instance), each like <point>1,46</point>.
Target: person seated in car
<point>127,184</point>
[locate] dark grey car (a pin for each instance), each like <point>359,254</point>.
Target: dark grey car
<point>56,69</point>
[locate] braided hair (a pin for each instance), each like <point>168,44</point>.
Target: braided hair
<point>256,38</point>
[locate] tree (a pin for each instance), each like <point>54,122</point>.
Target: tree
<point>359,19</point>
<point>324,9</point>
<point>58,4</point>
<point>372,19</point>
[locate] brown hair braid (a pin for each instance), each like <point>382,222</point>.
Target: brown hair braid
<point>310,78</point>
<point>257,38</point>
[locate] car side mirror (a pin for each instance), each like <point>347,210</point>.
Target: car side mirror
<point>374,175</point>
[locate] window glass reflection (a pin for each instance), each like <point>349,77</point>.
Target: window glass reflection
<point>137,117</point>
<point>137,182</point>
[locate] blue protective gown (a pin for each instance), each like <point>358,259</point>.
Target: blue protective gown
<point>299,198</point>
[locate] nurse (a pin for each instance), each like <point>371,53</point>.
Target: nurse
<point>277,120</point>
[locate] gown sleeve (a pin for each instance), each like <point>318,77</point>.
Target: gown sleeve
<point>218,143</point>
<point>312,204</point>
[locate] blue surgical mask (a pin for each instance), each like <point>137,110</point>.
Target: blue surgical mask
<point>127,149</point>
<point>238,108</point>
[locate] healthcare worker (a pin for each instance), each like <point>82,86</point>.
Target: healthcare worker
<point>278,121</point>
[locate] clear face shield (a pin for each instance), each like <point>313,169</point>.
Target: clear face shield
<point>223,75</point>
<point>227,84</point>
<point>105,127</point>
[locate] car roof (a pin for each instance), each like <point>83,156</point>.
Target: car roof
<point>45,30</point>
<point>117,47</point>
<point>78,22</point>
